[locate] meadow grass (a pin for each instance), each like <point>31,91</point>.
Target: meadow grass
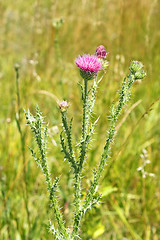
<point>28,36</point>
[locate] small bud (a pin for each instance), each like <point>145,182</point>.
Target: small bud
<point>16,67</point>
<point>57,23</point>
<point>101,52</point>
<point>136,68</point>
<point>63,106</point>
<point>140,75</point>
<point>105,64</point>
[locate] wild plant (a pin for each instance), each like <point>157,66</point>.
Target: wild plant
<point>89,67</point>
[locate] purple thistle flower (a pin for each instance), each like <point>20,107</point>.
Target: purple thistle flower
<point>101,52</point>
<point>89,65</point>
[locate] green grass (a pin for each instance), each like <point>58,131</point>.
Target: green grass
<point>129,30</point>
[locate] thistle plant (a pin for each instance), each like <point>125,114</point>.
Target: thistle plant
<point>89,67</point>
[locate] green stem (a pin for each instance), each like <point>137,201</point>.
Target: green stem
<point>77,204</point>
<point>51,190</point>
<point>67,129</point>
<point>22,137</point>
<point>57,46</point>
<point>82,156</point>
<point>17,91</point>
<point>41,140</point>
<point>84,126</point>
<point>92,100</point>
<point>54,204</point>
<point>85,98</point>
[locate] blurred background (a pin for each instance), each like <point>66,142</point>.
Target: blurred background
<point>44,37</point>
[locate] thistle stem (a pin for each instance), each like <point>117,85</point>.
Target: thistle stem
<point>67,129</point>
<point>84,126</point>
<point>36,124</point>
<point>82,156</point>
<point>85,99</point>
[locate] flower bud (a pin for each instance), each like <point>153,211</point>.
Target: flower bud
<point>135,66</point>
<point>101,52</point>
<point>57,23</point>
<point>87,75</point>
<point>16,67</point>
<point>63,106</point>
<point>136,69</point>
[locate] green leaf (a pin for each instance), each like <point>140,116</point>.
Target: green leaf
<point>108,190</point>
<point>99,231</point>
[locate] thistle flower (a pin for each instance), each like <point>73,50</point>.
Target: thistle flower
<point>101,52</point>
<point>89,66</point>
<point>63,106</point>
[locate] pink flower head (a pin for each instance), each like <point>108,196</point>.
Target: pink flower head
<point>101,52</point>
<point>89,65</point>
<point>63,106</point>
